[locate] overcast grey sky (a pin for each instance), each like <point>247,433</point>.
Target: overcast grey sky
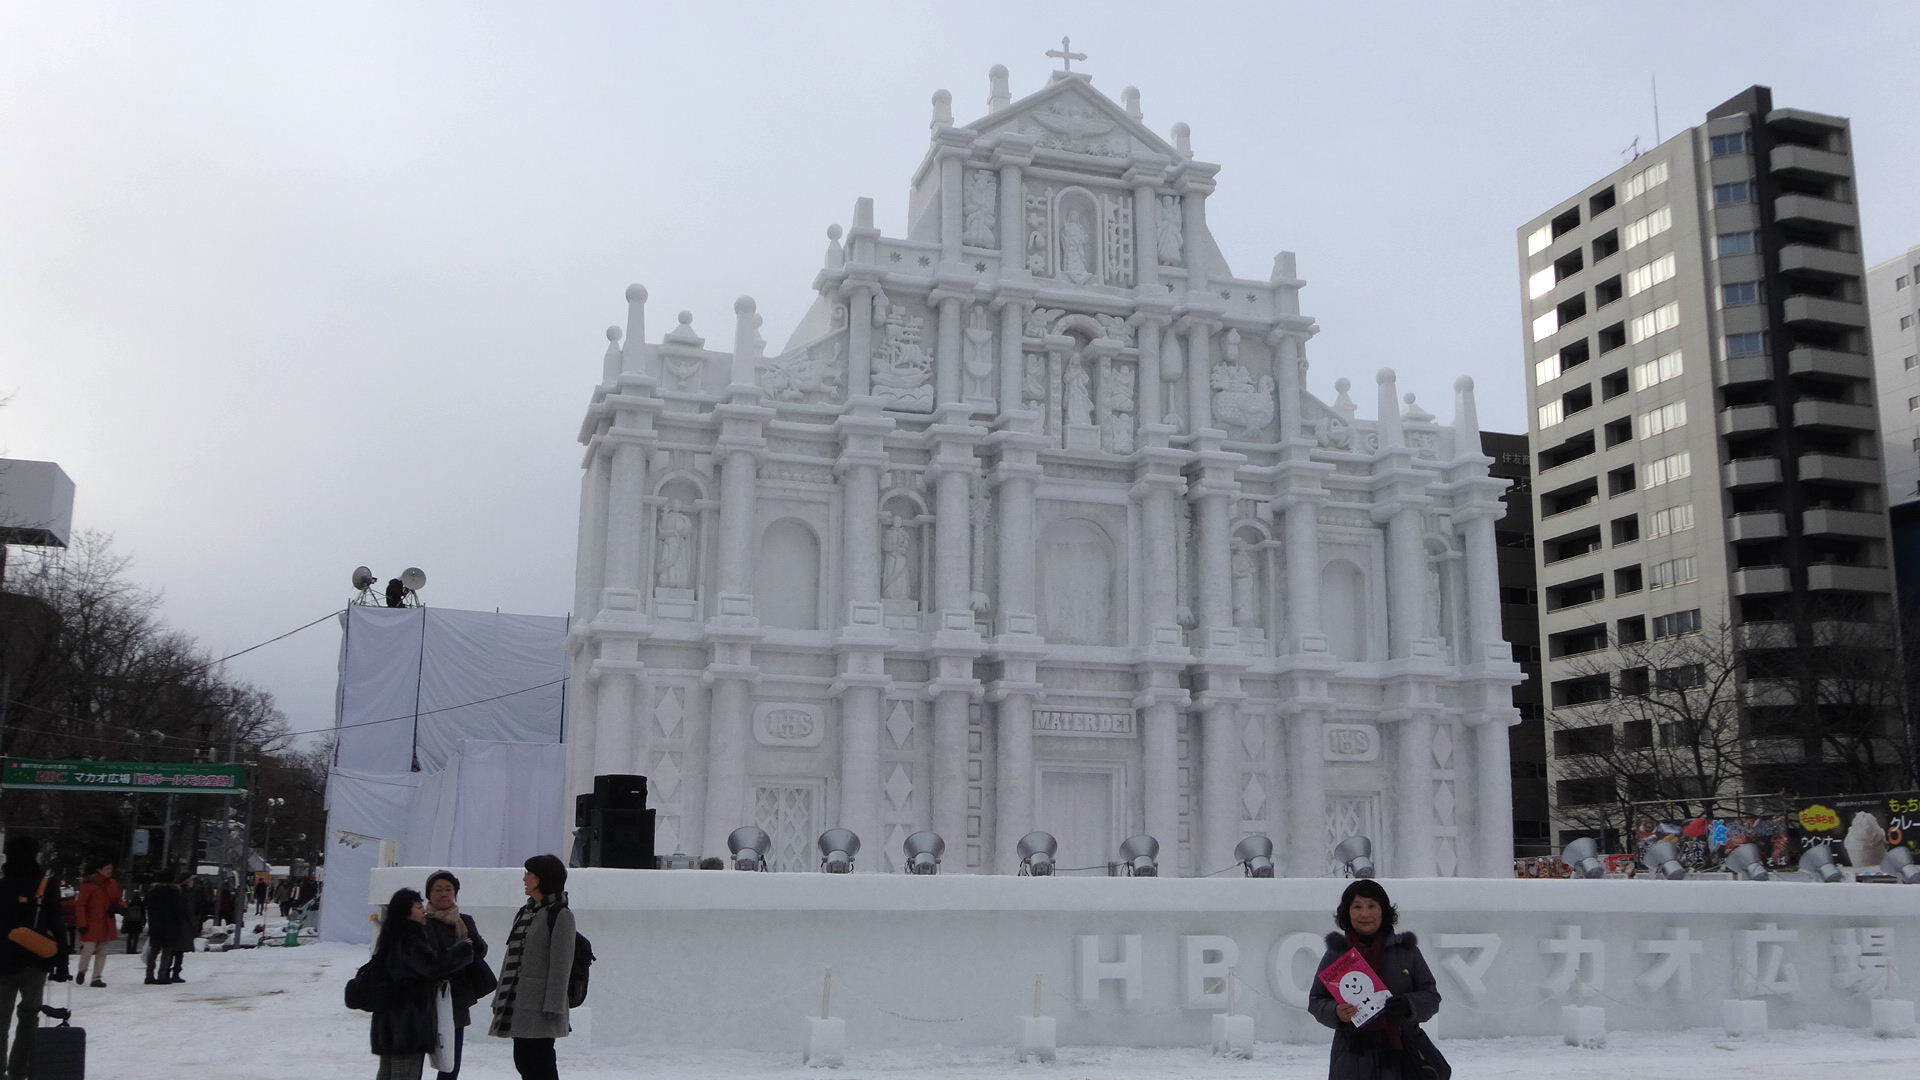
<point>289,291</point>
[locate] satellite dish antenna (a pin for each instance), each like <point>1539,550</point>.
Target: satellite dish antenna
<point>363,578</point>
<point>413,578</point>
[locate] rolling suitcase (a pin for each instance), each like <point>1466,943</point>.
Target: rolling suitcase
<point>60,1052</point>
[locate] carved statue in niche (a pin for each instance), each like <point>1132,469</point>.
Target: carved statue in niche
<point>1237,399</point>
<point>896,546</point>
<point>977,356</point>
<point>1167,237</point>
<point>1245,569</point>
<point>1118,390</point>
<point>978,209</point>
<point>902,369</point>
<point>981,507</point>
<point>1079,392</point>
<point>1033,382</point>
<point>1183,581</point>
<point>1435,596</point>
<point>1037,200</point>
<point>673,559</point>
<point>1076,247</point>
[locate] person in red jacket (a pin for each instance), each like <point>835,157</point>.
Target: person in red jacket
<point>100,901</point>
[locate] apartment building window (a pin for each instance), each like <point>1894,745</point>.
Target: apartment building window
<point>1664,317</point>
<point>1552,413</point>
<point>1753,344</point>
<point>1736,243</point>
<point>1911,362</point>
<point>1646,277</point>
<point>1665,418</point>
<point>1684,677</point>
<point>1545,325</point>
<point>1728,145</point>
<point>1657,370</point>
<point>1913,404</point>
<point>1641,230</point>
<point>1680,622</point>
<point>1734,194</point>
<point>1671,520</point>
<point>1670,468</point>
<point>1900,282</point>
<point>1639,183</point>
<point>1738,293</point>
<point>1906,322</point>
<point>1538,239</point>
<point>1665,575</point>
<point>1540,283</point>
<point>1546,370</point>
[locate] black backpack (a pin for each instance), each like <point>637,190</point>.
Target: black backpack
<point>370,990</point>
<point>583,959</point>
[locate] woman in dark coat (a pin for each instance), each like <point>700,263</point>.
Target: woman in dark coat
<point>412,965</point>
<point>1391,1046</point>
<point>446,923</point>
<point>170,929</point>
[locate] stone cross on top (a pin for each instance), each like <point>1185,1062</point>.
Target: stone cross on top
<point>1066,55</point>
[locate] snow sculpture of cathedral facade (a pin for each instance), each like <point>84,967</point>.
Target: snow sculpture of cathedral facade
<point>1034,524</point>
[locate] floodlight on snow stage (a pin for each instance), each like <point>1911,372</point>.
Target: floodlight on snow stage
<point>1899,864</point>
<point>1664,859</point>
<point>1255,855</point>
<point>1745,861</point>
<point>1140,856</point>
<point>923,850</point>
<point>1356,854</point>
<point>1817,863</point>
<point>1036,854</point>
<point>837,849</point>
<point>749,845</point>
<point>1583,855</point>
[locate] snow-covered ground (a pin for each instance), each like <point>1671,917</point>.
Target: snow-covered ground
<point>277,1012</point>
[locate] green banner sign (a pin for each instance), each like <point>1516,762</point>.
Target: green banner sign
<point>173,778</point>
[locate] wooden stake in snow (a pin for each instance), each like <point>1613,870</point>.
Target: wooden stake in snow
<point>826,993</point>
<point>1039,981</point>
<point>1233,977</point>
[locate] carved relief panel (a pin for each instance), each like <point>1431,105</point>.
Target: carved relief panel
<point>1078,235</point>
<point>903,357</point>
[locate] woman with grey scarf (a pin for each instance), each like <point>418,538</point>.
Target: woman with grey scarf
<point>530,1006</point>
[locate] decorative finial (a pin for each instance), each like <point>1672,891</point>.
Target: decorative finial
<point>1130,99</point>
<point>836,255</point>
<point>636,293</point>
<point>1066,55</point>
<point>743,306</point>
<point>1466,415</point>
<point>610,362</point>
<point>636,326</point>
<point>613,334</point>
<point>1183,139</point>
<point>998,94</point>
<point>942,110</point>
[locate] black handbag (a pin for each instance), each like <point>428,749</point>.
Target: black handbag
<point>1421,1059</point>
<point>481,980</point>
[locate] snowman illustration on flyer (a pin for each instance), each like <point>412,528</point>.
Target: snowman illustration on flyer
<point>1352,980</point>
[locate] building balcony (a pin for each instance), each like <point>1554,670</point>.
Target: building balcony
<point>1806,161</point>
<point>1761,693</point>
<point>1829,362</point>
<point>1743,419</point>
<point>1834,576</point>
<point>1751,472</point>
<point>1820,311</point>
<point>1763,635</point>
<point>1760,581</point>
<point>1840,470</point>
<point>1760,525</point>
<point>1810,208</point>
<point>1819,262</point>
<point>1823,522</point>
<point>1746,369</point>
<point>1834,415</point>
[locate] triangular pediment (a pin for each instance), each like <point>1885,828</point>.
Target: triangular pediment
<point>1070,115</point>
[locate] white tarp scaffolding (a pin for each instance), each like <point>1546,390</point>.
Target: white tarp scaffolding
<point>449,749</point>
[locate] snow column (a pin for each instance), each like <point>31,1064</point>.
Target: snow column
<point>1212,491</point>
<point>1017,645</point>
<point>1406,627</point>
<point>1493,778</point>
<point>859,340</point>
<point>1145,177</point>
<point>946,360</point>
<point>862,678</point>
<point>1160,696</point>
<point>619,623</point>
<point>956,643</point>
<point>731,634</point>
<point>1199,371</point>
<point>1013,314</point>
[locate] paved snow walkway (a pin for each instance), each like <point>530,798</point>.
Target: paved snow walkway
<point>276,1012</point>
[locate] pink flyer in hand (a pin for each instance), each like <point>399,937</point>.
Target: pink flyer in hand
<point>1352,980</point>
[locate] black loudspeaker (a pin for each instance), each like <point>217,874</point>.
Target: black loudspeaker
<point>620,791</point>
<point>620,838</point>
<point>582,853</point>
<point>582,806</point>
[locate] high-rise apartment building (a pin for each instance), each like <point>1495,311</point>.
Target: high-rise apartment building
<point>1893,310</point>
<point>1705,448</point>
<point>1520,627</point>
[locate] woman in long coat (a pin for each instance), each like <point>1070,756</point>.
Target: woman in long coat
<point>1390,1046</point>
<point>530,1006</point>
<point>412,965</point>
<point>448,924</point>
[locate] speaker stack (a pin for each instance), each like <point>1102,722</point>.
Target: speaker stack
<point>612,825</point>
